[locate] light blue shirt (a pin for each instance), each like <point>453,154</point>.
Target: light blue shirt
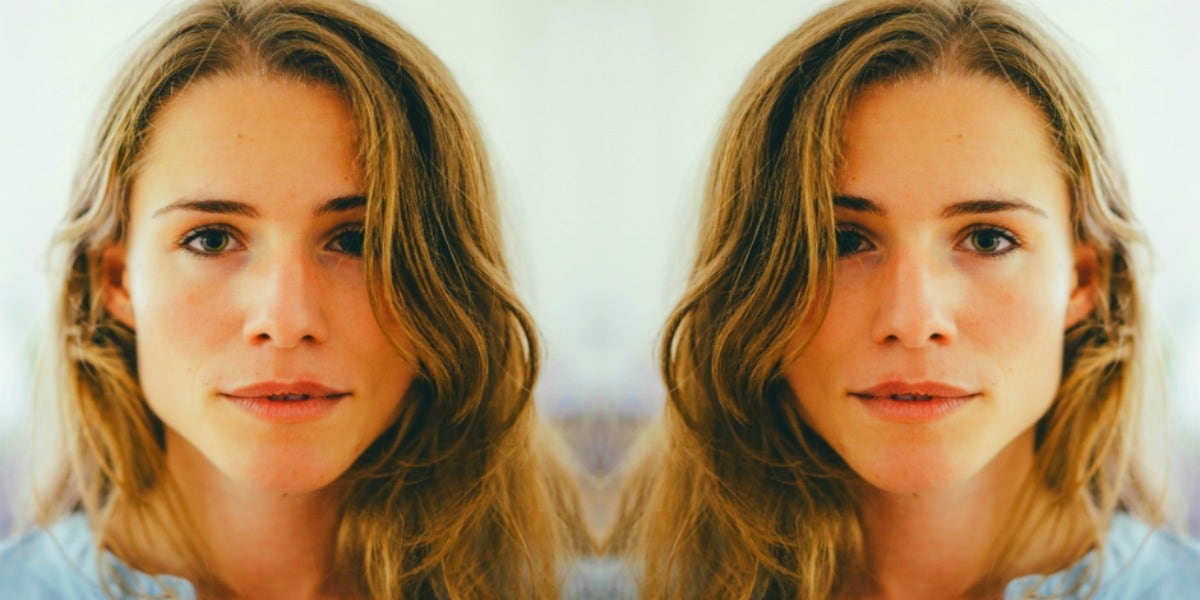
<point>1138,563</point>
<point>599,578</point>
<point>62,563</point>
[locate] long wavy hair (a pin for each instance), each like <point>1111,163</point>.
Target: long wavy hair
<point>733,495</point>
<point>464,496</point>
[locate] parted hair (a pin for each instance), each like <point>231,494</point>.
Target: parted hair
<point>732,495</point>
<point>464,496</point>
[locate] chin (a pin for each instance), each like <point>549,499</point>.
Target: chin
<point>294,472</point>
<point>911,482</point>
<point>913,473</point>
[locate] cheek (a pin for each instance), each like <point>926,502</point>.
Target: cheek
<point>815,375</point>
<point>1017,324</point>
<point>183,321</point>
<point>352,314</point>
<point>1029,289</point>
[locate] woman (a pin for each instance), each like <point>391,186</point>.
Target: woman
<point>287,357</point>
<point>910,359</point>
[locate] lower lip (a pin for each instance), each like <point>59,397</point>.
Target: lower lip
<point>913,411</point>
<point>287,411</point>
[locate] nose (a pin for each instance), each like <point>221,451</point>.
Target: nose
<point>915,304</point>
<point>284,303</point>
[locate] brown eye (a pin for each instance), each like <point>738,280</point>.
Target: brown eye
<point>208,241</point>
<point>213,241</point>
<point>991,241</point>
<point>349,241</point>
<point>851,241</point>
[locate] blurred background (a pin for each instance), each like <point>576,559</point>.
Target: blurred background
<point>599,115</point>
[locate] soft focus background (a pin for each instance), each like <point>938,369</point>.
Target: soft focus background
<point>600,115</point>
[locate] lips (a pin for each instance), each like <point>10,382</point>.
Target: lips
<point>279,391</point>
<point>914,392</point>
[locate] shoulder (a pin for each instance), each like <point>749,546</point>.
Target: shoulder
<point>1137,561</point>
<point>1143,562</point>
<point>62,562</point>
<point>596,578</point>
<point>56,562</point>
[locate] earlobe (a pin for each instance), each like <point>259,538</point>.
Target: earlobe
<point>1083,293</point>
<point>114,288</point>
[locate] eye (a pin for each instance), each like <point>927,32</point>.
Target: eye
<point>209,241</point>
<point>989,240</point>
<point>349,241</point>
<point>851,241</point>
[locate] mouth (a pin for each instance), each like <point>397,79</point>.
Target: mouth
<point>914,403</point>
<point>292,397</point>
<point>901,397</point>
<point>912,397</point>
<point>286,392</point>
<point>914,392</point>
<point>287,403</point>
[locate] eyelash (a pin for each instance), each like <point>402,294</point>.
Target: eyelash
<point>849,229</point>
<point>357,230</point>
<point>185,242</point>
<point>193,235</point>
<point>1015,242</point>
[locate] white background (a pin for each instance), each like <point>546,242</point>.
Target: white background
<point>599,115</point>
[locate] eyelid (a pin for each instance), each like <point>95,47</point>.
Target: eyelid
<point>1016,242</point>
<point>184,242</point>
<point>857,229</point>
<point>351,226</point>
<point>355,226</point>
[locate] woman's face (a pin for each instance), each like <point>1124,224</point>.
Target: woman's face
<point>242,278</point>
<point>956,279</point>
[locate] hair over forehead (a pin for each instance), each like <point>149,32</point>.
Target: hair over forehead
<point>775,165</point>
<point>762,485</point>
<point>399,93</point>
<point>431,214</point>
<point>435,272</point>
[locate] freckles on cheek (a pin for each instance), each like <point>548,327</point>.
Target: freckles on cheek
<point>1030,303</point>
<point>1024,297</point>
<point>178,307</point>
<point>1022,329</point>
<point>815,375</point>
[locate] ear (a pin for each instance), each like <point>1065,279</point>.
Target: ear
<point>114,286</point>
<point>1083,293</point>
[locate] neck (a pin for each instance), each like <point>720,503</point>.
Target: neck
<point>943,543</point>
<point>259,544</point>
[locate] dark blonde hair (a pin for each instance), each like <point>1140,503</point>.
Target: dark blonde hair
<point>735,497</point>
<point>464,495</point>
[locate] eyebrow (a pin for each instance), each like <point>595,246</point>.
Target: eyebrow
<point>233,207</point>
<point>967,207</point>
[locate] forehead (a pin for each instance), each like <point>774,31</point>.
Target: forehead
<point>242,136</point>
<point>947,136</point>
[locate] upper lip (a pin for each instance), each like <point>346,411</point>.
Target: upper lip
<point>931,389</point>
<point>277,388</point>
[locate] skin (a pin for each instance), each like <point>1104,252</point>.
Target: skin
<point>977,300</point>
<point>222,300</point>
